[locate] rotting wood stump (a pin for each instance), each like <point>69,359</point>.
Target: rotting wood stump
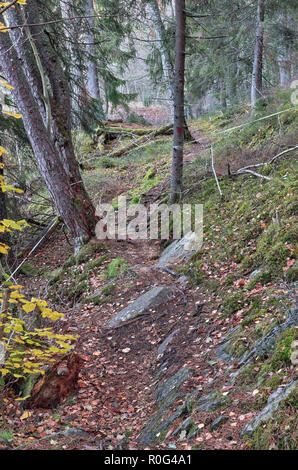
<point>59,382</point>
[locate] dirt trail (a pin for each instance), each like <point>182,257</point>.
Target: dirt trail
<point>115,395</point>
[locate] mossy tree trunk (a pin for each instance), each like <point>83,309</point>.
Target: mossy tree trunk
<point>179,119</point>
<point>62,177</point>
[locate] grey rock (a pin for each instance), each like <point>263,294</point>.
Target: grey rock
<point>151,299</point>
<point>221,353</point>
<point>254,274</point>
<point>272,406</point>
<point>267,343</point>
<point>158,425</point>
<point>167,391</point>
<point>186,425</point>
<point>165,396</point>
<point>99,292</point>
<point>162,348</point>
<point>72,432</point>
<point>180,250</point>
<point>183,281</point>
<point>212,401</point>
<point>218,422</point>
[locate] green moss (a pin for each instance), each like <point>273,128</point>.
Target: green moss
<point>230,279</point>
<point>116,267</point>
<point>88,251</point>
<point>55,275</point>
<point>276,257</point>
<point>292,274</point>
<point>29,270</point>
<point>102,296</point>
<point>280,432</point>
<point>150,174</point>
<point>271,250</point>
<point>247,375</point>
<point>281,355</point>
<point>232,303</point>
<point>96,263</point>
<point>107,162</point>
<point>263,278</point>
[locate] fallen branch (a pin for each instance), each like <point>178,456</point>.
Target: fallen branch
<point>49,229</point>
<point>255,174</point>
<point>282,153</point>
<point>138,142</point>
<point>214,172</point>
<point>270,161</point>
<point>123,131</point>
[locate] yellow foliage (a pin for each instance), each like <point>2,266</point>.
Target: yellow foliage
<point>8,113</point>
<point>3,150</point>
<point>26,351</point>
<point>4,83</point>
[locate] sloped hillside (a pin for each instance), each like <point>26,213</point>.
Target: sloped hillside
<point>208,361</point>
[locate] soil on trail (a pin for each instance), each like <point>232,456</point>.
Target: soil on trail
<point>115,394</point>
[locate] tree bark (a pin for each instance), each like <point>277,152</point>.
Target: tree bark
<point>92,75</point>
<point>178,141</point>
<point>168,69</point>
<point>24,51</point>
<point>256,85</point>
<point>284,53</point>
<point>69,196</point>
<point>72,47</point>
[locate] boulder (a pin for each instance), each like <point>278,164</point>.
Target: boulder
<point>151,299</point>
<point>180,250</point>
<point>272,406</point>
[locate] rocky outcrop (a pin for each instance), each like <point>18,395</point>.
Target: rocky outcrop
<point>166,395</point>
<point>272,406</point>
<point>180,250</point>
<point>150,300</point>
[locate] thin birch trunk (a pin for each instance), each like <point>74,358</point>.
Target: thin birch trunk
<point>256,85</point>
<point>92,75</point>
<point>178,141</point>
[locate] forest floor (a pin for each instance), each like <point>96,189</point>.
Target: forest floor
<point>114,398</point>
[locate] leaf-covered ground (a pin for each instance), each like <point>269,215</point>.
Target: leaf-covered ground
<point>252,227</point>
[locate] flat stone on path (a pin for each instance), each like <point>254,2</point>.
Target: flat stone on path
<point>151,299</point>
<point>180,250</point>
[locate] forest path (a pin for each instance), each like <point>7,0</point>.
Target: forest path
<point>115,397</point>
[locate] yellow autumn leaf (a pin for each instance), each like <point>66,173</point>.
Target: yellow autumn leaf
<point>4,371</point>
<point>21,399</point>
<point>26,414</point>
<point>29,307</point>
<point>3,28</point>
<point>3,150</point>
<point>39,302</point>
<point>4,83</point>
<point>15,115</point>
<point>4,249</point>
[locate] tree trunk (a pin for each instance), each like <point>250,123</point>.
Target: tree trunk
<point>256,86</point>
<point>284,53</point>
<point>160,33</point>
<point>72,47</point>
<point>60,101</point>
<point>223,94</point>
<point>92,75</point>
<point>25,55</point>
<point>69,197</point>
<point>178,141</point>
<point>4,236</point>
